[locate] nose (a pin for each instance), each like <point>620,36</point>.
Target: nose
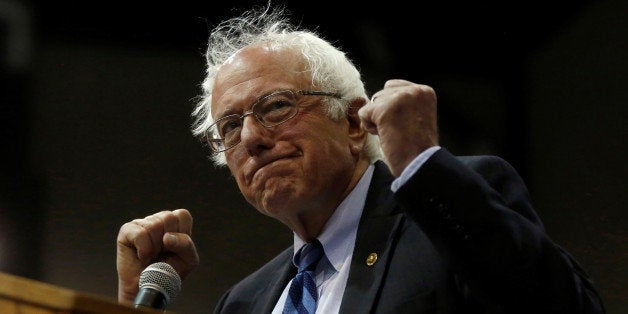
<point>254,137</point>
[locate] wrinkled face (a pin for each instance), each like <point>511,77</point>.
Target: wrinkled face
<point>300,166</point>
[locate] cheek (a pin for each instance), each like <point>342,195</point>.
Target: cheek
<point>329,147</point>
<point>235,164</point>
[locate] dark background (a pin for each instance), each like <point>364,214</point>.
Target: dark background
<point>95,105</point>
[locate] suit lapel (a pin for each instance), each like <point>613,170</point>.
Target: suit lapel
<point>267,298</point>
<point>376,235</point>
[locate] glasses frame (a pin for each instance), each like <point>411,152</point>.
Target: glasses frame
<point>214,143</point>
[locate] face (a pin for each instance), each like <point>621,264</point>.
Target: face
<point>303,167</point>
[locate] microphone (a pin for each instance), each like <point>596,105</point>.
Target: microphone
<point>159,284</point>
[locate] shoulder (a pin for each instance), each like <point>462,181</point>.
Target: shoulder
<point>278,263</point>
<point>494,169</point>
<point>487,163</point>
<point>501,176</point>
<point>265,281</point>
<point>497,172</point>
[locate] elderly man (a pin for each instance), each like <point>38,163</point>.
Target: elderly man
<point>384,219</point>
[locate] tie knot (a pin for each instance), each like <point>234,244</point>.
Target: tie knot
<point>308,256</point>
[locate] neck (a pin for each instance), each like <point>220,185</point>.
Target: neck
<point>310,223</point>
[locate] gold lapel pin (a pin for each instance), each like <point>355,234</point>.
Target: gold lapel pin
<point>371,259</point>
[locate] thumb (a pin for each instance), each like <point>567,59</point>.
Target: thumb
<point>365,113</point>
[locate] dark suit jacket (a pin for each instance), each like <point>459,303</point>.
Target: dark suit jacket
<point>460,236</point>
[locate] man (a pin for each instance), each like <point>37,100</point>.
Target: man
<point>422,232</point>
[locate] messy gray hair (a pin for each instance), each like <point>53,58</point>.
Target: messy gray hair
<point>330,69</point>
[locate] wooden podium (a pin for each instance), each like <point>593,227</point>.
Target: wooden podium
<point>26,296</point>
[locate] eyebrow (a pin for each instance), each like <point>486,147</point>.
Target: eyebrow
<point>226,112</point>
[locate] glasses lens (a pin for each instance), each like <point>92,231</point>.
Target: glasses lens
<point>225,132</point>
<point>276,108</point>
<point>216,144</point>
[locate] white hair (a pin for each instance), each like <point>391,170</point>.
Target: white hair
<point>330,69</point>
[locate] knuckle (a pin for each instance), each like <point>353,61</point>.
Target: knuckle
<point>126,227</point>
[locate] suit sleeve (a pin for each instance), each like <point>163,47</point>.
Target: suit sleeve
<point>478,213</point>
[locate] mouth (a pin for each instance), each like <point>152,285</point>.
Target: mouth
<point>258,164</point>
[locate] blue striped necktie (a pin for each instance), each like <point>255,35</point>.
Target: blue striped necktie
<point>302,296</point>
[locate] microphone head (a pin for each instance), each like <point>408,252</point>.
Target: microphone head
<point>163,278</point>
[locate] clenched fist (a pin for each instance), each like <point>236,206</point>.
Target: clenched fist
<point>403,114</point>
<point>164,236</point>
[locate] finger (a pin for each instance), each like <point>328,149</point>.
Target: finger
<point>374,97</point>
<point>185,220</point>
<point>185,256</point>
<point>179,220</point>
<point>397,83</point>
<point>365,114</point>
<point>167,220</point>
<point>153,225</point>
<point>135,238</point>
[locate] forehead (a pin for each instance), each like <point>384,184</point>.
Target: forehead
<point>254,71</point>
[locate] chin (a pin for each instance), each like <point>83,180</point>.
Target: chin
<point>273,202</point>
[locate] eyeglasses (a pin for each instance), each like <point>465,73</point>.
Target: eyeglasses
<point>270,110</point>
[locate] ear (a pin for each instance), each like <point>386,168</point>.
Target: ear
<point>357,134</point>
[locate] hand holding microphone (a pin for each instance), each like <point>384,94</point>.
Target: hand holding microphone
<point>161,237</point>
